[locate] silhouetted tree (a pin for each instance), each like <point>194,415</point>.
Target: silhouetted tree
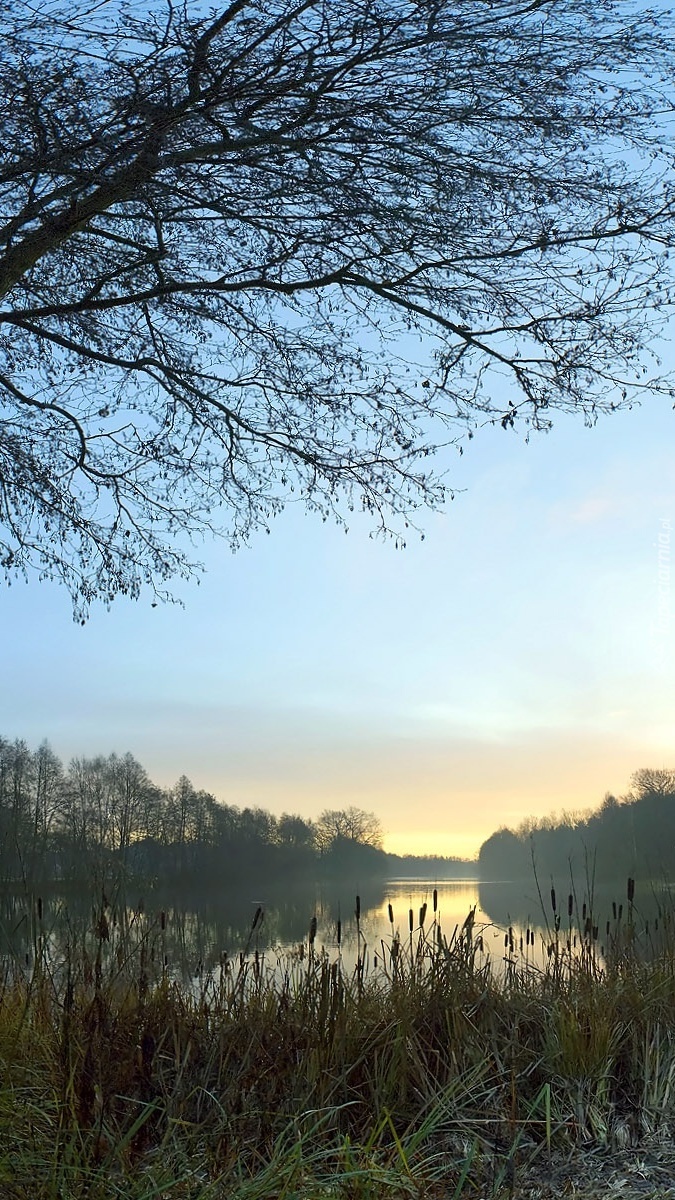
<point>48,798</point>
<point>221,226</point>
<point>187,822</point>
<point>129,802</point>
<point>347,825</point>
<point>293,830</point>
<point>17,784</point>
<point>504,855</point>
<point>633,836</point>
<point>653,782</point>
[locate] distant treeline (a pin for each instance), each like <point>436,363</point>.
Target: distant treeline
<point>431,866</point>
<point>103,819</point>
<point>633,835</point>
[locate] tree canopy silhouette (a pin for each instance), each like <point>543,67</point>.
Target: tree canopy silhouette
<point>626,836</point>
<point>347,825</point>
<point>297,246</point>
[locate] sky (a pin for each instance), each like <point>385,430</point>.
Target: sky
<point>517,662</point>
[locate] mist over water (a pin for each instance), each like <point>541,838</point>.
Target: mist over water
<point>192,937</point>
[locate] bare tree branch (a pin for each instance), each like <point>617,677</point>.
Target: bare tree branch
<point>221,234</point>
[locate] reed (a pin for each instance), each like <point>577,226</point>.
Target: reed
<point>437,1072</point>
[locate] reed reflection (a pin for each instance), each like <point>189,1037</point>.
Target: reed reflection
<point>189,936</point>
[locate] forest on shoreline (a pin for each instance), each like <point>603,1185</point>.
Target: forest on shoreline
<point>103,820</point>
<point>632,835</point>
<point>116,1067</point>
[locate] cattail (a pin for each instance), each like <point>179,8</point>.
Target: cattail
<point>39,908</point>
<point>620,911</point>
<point>257,919</point>
<point>614,909</point>
<point>410,920</point>
<point>583,911</point>
<point>630,889</point>
<point>607,930</point>
<point>553,901</point>
<point>423,913</point>
<point>570,905</point>
<point>148,1047</point>
<point>358,908</point>
<point>435,899</point>
<point>391,914</point>
<point>70,992</point>
<point>162,920</point>
<point>312,931</point>
<point>339,932</point>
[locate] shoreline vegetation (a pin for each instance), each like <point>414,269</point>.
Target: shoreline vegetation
<point>631,835</point>
<point>438,1073</point>
<point>103,819</point>
<point>425,1069</point>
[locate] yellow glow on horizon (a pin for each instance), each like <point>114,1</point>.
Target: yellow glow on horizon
<point>433,795</point>
<point>435,842</point>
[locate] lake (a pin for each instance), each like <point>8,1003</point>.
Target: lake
<point>190,937</point>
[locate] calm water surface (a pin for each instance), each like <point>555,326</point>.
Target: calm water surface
<point>191,938</point>
<point>419,908</point>
<point>515,922</point>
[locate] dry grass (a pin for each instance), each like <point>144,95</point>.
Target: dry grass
<point>436,1074</point>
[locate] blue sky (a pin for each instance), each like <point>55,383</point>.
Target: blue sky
<point>515,662</point>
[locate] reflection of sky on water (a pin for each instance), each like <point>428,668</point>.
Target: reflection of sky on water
<point>191,940</point>
<point>454,902</point>
<point>516,925</point>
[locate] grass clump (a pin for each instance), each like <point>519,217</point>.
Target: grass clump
<point>428,1070</point>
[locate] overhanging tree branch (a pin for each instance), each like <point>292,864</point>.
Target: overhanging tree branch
<point>217,236</point>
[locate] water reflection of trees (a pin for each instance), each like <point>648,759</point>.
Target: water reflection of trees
<point>182,931</point>
<point>604,915</point>
<point>185,934</point>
